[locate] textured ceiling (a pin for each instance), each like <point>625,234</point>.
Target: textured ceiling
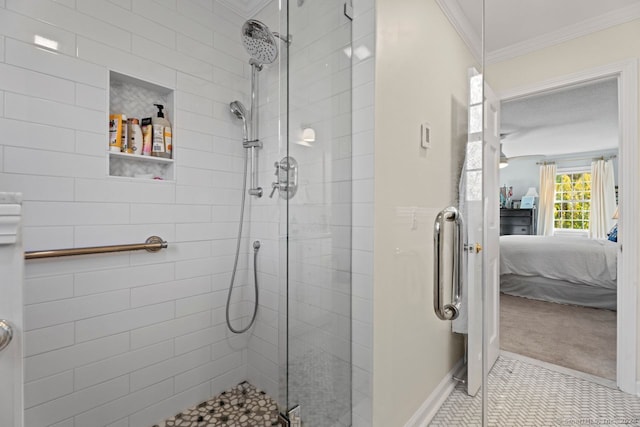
<point>580,118</point>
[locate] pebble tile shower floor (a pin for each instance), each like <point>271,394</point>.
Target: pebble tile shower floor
<point>240,406</point>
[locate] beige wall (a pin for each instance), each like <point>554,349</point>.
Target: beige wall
<point>421,75</point>
<point>598,49</point>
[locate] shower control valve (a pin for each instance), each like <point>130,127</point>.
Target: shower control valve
<point>287,178</point>
<point>275,186</point>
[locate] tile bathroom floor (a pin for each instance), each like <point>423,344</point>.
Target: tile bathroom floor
<point>525,394</point>
<point>240,406</point>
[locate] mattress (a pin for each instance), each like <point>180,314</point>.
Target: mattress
<point>575,260</point>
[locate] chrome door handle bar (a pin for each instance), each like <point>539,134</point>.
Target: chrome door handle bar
<point>448,311</point>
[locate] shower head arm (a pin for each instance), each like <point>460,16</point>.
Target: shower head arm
<point>287,39</point>
<point>255,64</point>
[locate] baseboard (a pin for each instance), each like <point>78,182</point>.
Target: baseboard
<point>429,408</point>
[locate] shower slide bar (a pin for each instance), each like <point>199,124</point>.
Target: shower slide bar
<point>448,311</point>
<point>152,244</point>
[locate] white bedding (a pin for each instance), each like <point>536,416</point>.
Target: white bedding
<point>577,260</point>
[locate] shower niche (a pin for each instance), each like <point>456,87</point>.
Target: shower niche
<point>135,98</point>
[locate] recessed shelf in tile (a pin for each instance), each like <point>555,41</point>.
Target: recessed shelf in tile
<point>136,98</point>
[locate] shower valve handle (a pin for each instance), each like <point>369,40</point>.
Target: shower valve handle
<point>286,178</point>
<point>275,186</point>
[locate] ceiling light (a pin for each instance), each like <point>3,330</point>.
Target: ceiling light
<point>504,162</point>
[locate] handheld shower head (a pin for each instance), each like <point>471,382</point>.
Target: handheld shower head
<point>260,42</point>
<point>240,112</point>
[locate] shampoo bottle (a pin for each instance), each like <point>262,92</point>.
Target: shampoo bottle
<point>135,137</point>
<point>147,135</point>
<point>162,144</point>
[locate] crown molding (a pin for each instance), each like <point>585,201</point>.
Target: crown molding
<point>245,8</point>
<point>459,20</point>
<point>611,19</point>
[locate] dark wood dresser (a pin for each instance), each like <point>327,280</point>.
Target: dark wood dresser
<point>517,221</point>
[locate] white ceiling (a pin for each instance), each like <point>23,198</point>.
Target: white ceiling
<point>582,119</point>
<point>516,27</point>
<point>513,26</point>
<point>577,119</point>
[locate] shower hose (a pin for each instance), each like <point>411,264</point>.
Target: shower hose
<point>256,247</point>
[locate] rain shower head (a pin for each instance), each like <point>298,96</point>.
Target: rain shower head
<point>240,112</point>
<point>260,42</point>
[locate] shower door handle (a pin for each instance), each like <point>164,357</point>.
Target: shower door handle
<point>452,310</point>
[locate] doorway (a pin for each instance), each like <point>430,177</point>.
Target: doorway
<point>519,391</point>
<point>626,74</point>
<point>558,291</point>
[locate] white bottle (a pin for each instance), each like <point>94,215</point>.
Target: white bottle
<point>162,137</point>
<point>135,137</point>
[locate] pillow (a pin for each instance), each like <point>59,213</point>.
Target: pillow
<point>613,234</point>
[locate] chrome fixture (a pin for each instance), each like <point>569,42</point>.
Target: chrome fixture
<point>152,244</point>
<point>260,42</point>
<point>256,247</point>
<point>6,334</point>
<point>448,311</point>
<point>261,45</point>
<point>287,178</point>
<point>241,113</point>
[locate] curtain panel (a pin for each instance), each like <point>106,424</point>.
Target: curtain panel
<point>603,199</point>
<point>547,199</point>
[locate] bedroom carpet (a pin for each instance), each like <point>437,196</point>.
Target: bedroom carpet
<point>579,338</point>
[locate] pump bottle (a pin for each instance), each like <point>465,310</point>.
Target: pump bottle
<point>162,136</point>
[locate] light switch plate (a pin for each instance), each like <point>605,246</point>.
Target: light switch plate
<point>425,135</point>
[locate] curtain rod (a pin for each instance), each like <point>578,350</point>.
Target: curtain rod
<point>573,159</point>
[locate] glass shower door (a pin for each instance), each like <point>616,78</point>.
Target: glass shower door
<point>318,222</point>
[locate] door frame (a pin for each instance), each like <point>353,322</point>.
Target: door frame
<point>627,74</point>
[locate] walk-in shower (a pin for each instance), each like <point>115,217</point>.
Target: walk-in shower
<point>261,45</point>
<point>145,335</point>
<point>298,329</point>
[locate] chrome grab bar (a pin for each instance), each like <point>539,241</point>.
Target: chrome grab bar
<point>152,244</point>
<point>448,311</point>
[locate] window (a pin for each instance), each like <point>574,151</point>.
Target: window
<point>572,200</point>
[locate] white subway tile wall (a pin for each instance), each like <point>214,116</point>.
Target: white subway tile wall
<point>131,339</point>
<point>126,339</point>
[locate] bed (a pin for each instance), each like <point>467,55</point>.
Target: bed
<point>560,269</point>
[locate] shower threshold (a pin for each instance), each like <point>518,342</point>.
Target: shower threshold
<point>241,406</point>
